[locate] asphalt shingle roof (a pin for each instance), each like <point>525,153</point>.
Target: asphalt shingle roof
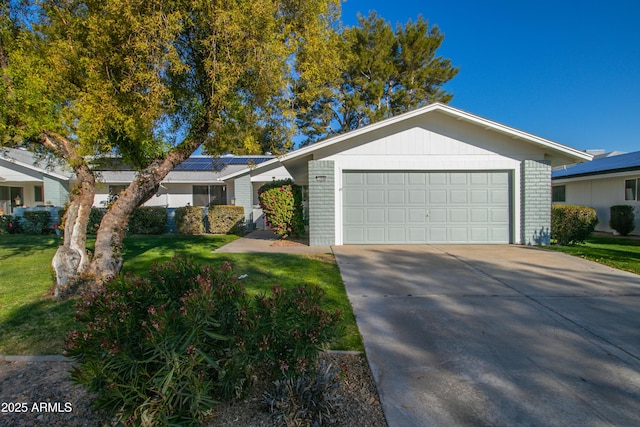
<point>620,163</point>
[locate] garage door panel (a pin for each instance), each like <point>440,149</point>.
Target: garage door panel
<point>437,197</point>
<point>376,234</point>
<point>396,216</point>
<point>479,234</point>
<point>354,197</point>
<point>427,207</point>
<point>396,197</point>
<point>396,178</point>
<point>479,196</point>
<point>417,216</point>
<point>374,178</point>
<point>396,235</point>
<point>458,196</point>
<point>437,216</point>
<point>479,215</point>
<point>417,197</point>
<point>458,215</point>
<point>458,235</point>
<point>375,216</point>
<point>375,197</point>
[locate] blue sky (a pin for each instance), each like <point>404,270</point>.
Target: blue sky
<point>568,71</point>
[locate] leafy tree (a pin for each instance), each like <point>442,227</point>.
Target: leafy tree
<point>150,81</point>
<point>382,73</point>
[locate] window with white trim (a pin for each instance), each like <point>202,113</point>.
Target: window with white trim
<point>631,189</point>
<point>558,193</point>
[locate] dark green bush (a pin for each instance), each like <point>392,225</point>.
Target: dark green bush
<point>164,348</point>
<point>148,220</point>
<point>622,219</point>
<point>35,222</point>
<point>226,219</point>
<point>189,220</point>
<point>305,400</point>
<point>95,216</point>
<point>281,202</point>
<point>572,224</point>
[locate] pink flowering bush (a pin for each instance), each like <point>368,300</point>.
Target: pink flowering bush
<point>281,202</point>
<point>163,349</point>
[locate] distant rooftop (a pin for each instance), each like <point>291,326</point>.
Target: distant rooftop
<point>601,165</point>
<point>192,164</point>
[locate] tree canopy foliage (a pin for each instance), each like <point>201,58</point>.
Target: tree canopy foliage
<point>382,73</point>
<point>150,81</point>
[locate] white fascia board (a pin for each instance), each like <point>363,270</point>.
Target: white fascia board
<point>247,170</point>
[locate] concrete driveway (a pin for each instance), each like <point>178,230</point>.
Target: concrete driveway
<point>496,335</point>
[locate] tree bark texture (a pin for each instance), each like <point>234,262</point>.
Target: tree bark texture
<point>107,261</point>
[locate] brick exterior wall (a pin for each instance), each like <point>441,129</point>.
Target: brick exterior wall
<point>535,214</point>
<point>322,202</point>
<point>244,197</point>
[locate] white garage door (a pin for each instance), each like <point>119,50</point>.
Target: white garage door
<point>426,207</point>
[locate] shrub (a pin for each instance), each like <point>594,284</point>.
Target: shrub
<point>35,222</point>
<point>622,219</point>
<point>5,220</point>
<point>281,202</point>
<point>226,219</point>
<point>304,400</point>
<point>95,217</point>
<point>572,224</point>
<point>293,328</point>
<point>148,220</point>
<point>164,348</point>
<point>189,220</point>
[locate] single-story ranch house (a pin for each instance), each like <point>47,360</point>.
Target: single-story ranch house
<point>433,175</point>
<point>600,184</point>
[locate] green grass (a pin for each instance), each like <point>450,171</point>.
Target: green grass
<point>31,322</point>
<point>617,252</point>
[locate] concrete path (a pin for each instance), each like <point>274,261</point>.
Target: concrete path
<point>266,241</point>
<point>496,335</point>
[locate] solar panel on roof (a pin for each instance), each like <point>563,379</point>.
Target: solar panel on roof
<point>601,165</point>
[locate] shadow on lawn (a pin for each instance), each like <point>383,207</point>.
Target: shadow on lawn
<point>22,244</point>
<point>40,325</point>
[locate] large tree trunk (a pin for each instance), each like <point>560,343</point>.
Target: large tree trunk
<point>107,260</point>
<point>71,259</point>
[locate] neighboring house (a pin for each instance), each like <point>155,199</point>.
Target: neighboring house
<point>600,184</point>
<point>433,175</point>
<point>194,182</point>
<point>26,181</point>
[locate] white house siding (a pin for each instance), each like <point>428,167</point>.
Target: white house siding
<point>169,195</point>
<point>434,143</point>
<point>600,193</point>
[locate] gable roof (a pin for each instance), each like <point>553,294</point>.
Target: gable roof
<point>602,165</point>
<point>446,109</point>
<point>28,160</point>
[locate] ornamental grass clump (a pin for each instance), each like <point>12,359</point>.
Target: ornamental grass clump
<point>281,203</point>
<point>165,348</point>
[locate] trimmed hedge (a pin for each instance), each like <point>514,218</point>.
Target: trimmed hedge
<point>281,202</point>
<point>572,224</point>
<point>35,222</point>
<point>148,220</point>
<point>622,219</point>
<point>189,220</point>
<point>225,219</point>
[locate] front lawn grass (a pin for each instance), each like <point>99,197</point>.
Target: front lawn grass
<point>622,253</point>
<point>32,323</point>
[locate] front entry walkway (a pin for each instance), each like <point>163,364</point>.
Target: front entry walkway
<point>266,241</point>
<point>471,335</point>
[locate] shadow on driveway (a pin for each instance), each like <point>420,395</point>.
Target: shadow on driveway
<point>496,335</point>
